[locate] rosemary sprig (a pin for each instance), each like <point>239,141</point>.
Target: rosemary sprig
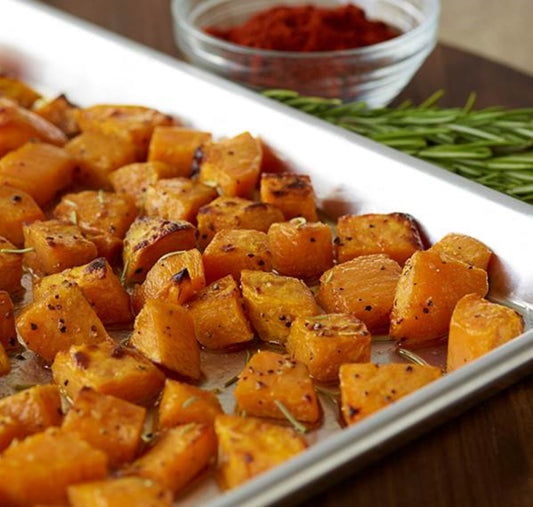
<point>411,357</point>
<point>124,274</point>
<point>299,427</point>
<point>16,250</point>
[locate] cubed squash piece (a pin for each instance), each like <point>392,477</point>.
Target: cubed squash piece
<point>98,212</point>
<point>293,194</point>
<point>248,447</point>
<point>232,165</point>
<point>5,365</point>
<point>301,249</point>
<point>463,248</point>
<point>107,423</point>
<point>164,333</point>
<point>394,234</point>
<point>10,267</point>
<point>39,169</point>
<point>16,209</point>
<point>8,332</point>
<point>182,403</point>
<point>97,155</point>
<point>364,287</point>
<point>149,238</point>
<point>17,91</point>
<point>177,147</point>
<point>218,315</point>
<point>108,368</point>
<point>55,246</point>
<point>326,342</point>
<point>427,293</point>
<point>107,246</point>
<point>10,429</point>
<point>273,302</point>
<point>367,388</point>
<point>177,199</point>
<point>40,468</point>
<point>61,113</point>
<point>270,381</point>
<point>177,456</point>
<point>477,327</point>
<point>233,250</point>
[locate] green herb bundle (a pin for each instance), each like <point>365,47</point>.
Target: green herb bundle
<point>492,146</point>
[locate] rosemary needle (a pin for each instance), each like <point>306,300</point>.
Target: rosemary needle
<point>299,427</point>
<point>411,357</point>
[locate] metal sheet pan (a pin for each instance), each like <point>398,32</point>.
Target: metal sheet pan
<point>350,174</point>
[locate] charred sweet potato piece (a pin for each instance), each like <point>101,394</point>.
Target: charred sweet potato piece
<point>177,199</point>
<point>293,194</point>
<point>182,403</point>
<point>218,315</point>
<point>463,248</point>
<point>10,429</point>
<point>5,365</point>
<point>42,170</point>
<point>60,318</point>
<point>40,468</point>
<point>109,369</point>
<point>61,113</point>
<point>107,423</point>
<point>8,333</point>
<point>367,388</point>
<point>177,147</point>
<point>248,447</point>
<point>427,293</point>
<point>364,287</point>
<point>326,342</point>
<point>164,333</point>
<point>107,246</point>
<point>10,267</point>
<point>149,238</point>
<point>55,246</point>
<point>17,91</point>
<point>232,165</point>
<point>477,327</point>
<point>177,456</point>
<point>234,213</point>
<point>274,301</point>
<point>233,250</point>
<point>16,209</point>
<point>395,235</point>
<point>270,379</point>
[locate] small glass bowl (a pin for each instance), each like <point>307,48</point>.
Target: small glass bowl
<point>375,74</point>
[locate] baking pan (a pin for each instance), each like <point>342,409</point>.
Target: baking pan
<point>350,174</point>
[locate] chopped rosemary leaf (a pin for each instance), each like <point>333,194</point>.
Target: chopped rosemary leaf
<point>328,278</point>
<point>170,254</point>
<point>101,196</point>
<point>70,203</point>
<point>411,357</point>
<point>23,387</point>
<point>299,427</point>
<point>74,217</point>
<point>16,250</point>
<point>187,403</point>
<point>381,339</point>
<point>231,381</point>
<point>124,273</point>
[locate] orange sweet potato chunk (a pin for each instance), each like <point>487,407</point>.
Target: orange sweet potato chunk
<point>10,267</point>
<point>5,365</point>
<point>249,446</point>
<point>107,246</point>
<point>270,379</point>
<point>477,327</point>
<point>10,429</point>
<point>367,388</point>
<point>427,293</point>
<point>61,113</point>
<point>463,248</point>
<point>364,287</point>
<point>8,333</point>
<point>17,91</point>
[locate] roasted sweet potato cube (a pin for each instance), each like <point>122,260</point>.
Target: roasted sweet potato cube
<point>98,212</point>
<point>364,287</point>
<point>122,492</point>
<point>8,332</point>
<point>218,315</point>
<point>10,267</point>
<point>177,199</point>
<point>367,388</point>
<point>17,91</point>
<point>463,248</point>
<point>177,456</point>
<point>477,327</point>
<point>293,194</point>
<point>134,179</point>
<point>248,447</point>
<point>107,423</point>
<point>182,403</point>
<point>60,318</point>
<point>5,365</point>
<point>326,342</point>
<point>16,209</point>
<point>427,293</point>
<point>18,126</point>
<point>61,113</point>
<point>10,429</point>
<point>395,235</point>
<point>55,246</point>
<point>40,468</point>
<point>232,165</point>
<point>109,369</point>
<point>97,156</point>
<point>107,246</point>
<point>164,333</point>
<point>177,146</point>
<point>100,286</point>
<point>149,238</point>
<point>42,170</point>
<point>233,250</point>
<point>270,381</point>
<point>273,302</point>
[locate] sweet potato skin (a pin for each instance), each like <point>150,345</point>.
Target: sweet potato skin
<point>10,268</point>
<point>5,365</point>
<point>61,113</point>
<point>463,248</point>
